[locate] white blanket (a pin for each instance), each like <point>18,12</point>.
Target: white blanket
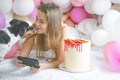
<point>100,71</point>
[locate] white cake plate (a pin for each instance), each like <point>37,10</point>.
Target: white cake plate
<point>61,66</point>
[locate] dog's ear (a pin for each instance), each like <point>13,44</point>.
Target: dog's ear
<point>13,22</point>
<point>4,38</point>
<point>14,30</point>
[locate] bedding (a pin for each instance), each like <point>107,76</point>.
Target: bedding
<point>100,71</point>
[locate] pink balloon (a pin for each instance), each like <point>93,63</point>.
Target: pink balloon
<point>114,55</point>
<point>37,2</point>
<point>106,49</point>
<point>2,21</point>
<point>12,52</point>
<point>78,14</point>
<point>34,12</point>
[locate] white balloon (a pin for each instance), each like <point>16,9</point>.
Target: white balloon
<point>116,29</point>
<point>5,6</point>
<point>109,19</point>
<point>88,6</point>
<point>100,27</point>
<point>23,7</point>
<point>87,27</point>
<point>115,1</point>
<point>100,7</point>
<point>76,3</point>
<point>61,2</point>
<point>100,37</point>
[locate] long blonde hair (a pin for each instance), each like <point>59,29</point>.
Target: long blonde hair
<point>54,29</point>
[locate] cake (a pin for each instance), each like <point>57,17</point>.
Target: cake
<point>77,55</point>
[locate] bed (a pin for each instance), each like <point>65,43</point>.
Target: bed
<point>101,71</point>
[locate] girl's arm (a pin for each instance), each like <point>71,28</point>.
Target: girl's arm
<point>60,52</point>
<point>25,50</point>
<point>60,59</point>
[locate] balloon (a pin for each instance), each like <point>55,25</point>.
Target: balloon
<point>37,2</point>
<point>114,55</point>
<point>12,52</point>
<point>34,13</point>
<point>100,7</point>
<point>109,20</point>
<point>2,21</point>
<point>23,7</point>
<point>5,6</point>
<point>100,37</point>
<point>61,2</point>
<point>77,3</point>
<point>106,49</point>
<point>88,6</point>
<point>87,27</point>
<point>78,14</point>
<point>116,29</point>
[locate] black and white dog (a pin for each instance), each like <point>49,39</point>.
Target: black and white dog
<point>11,35</point>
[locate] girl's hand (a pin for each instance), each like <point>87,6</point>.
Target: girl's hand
<point>34,70</point>
<point>19,62</point>
<point>29,34</point>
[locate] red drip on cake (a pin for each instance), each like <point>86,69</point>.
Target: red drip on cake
<point>77,44</point>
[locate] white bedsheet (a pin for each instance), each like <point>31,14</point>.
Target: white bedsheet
<point>101,71</point>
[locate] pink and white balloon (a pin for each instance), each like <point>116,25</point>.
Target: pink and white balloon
<point>23,7</point>
<point>5,6</point>
<point>100,37</point>
<point>37,2</point>
<point>114,55</point>
<point>100,7</point>
<point>106,49</point>
<point>33,13</point>
<point>2,21</point>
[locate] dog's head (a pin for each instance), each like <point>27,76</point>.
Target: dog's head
<point>19,27</point>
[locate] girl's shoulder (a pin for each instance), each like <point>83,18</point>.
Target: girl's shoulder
<point>65,30</point>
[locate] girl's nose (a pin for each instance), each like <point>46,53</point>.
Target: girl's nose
<point>37,24</point>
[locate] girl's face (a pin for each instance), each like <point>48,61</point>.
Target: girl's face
<point>41,23</point>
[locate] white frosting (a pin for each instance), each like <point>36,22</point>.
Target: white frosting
<point>78,58</point>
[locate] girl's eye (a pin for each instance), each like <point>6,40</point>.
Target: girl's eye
<point>42,21</point>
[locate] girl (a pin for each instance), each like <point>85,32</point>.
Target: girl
<point>49,38</point>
